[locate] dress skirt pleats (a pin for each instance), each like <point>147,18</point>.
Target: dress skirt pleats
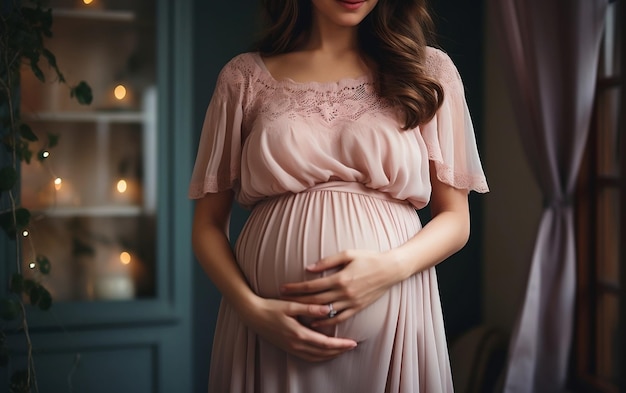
<point>402,345</point>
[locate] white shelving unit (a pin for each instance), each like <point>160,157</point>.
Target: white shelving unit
<point>95,14</point>
<point>105,162</point>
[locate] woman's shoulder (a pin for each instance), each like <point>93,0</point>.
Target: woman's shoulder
<point>439,66</point>
<point>243,65</point>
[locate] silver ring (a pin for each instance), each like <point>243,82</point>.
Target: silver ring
<point>332,312</point>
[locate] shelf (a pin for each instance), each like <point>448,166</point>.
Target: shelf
<point>92,211</point>
<point>97,117</point>
<point>103,15</point>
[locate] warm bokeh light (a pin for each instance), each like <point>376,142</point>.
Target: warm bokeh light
<point>32,265</point>
<point>58,183</point>
<point>120,92</point>
<point>122,186</point>
<point>125,258</point>
<point>45,154</point>
<point>25,233</point>
<point>87,1</point>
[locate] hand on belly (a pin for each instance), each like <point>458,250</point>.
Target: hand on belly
<point>354,283</point>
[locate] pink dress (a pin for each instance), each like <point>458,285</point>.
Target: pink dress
<point>325,167</point>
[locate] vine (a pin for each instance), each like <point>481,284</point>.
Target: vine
<point>24,27</point>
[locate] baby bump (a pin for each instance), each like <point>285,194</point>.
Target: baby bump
<point>285,234</point>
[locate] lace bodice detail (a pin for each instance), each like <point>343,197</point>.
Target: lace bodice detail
<point>347,99</point>
<point>264,137</point>
<point>345,103</point>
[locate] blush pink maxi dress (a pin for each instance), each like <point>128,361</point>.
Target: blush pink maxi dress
<point>325,167</point>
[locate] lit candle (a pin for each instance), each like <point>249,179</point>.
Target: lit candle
<point>125,258</point>
<point>120,92</point>
<point>122,186</point>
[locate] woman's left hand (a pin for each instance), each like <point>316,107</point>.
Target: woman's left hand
<point>364,276</point>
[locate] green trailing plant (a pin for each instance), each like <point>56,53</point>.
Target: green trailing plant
<point>24,27</point>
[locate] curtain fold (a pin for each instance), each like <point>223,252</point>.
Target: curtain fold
<point>551,50</point>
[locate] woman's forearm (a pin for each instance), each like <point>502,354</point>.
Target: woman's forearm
<point>213,251</point>
<point>443,236</point>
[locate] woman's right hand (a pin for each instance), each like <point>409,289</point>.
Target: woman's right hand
<point>277,322</point>
<point>274,320</point>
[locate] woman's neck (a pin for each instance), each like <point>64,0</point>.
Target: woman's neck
<point>331,38</point>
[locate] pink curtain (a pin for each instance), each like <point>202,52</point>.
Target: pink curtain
<point>551,50</point>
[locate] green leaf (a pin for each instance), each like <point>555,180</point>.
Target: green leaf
<point>35,294</point>
<point>82,93</point>
<point>27,133</point>
<point>8,178</point>
<point>45,302</point>
<point>50,57</point>
<point>22,218</point>
<point>23,151</point>
<point>26,155</point>
<point>29,285</point>
<point>52,62</point>
<point>46,21</point>
<point>53,140</point>
<point>9,309</point>
<point>17,283</point>
<point>37,71</point>
<point>44,264</point>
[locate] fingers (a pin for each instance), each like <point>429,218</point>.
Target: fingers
<point>308,287</point>
<point>307,310</point>
<point>320,313</point>
<point>320,343</point>
<point>314,346</point>
<point>344,312</point>
<point>317,346</point>
<point>331,262</point>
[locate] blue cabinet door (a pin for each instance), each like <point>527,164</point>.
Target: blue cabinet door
<point>142,344</point>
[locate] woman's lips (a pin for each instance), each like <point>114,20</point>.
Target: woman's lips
<point>351,5</point>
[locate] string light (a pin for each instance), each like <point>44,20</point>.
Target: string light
<point>25,233</point>
<point>58,183</point>
<point>32,265</point>
<point>87,2</point>
<point>45,154</point>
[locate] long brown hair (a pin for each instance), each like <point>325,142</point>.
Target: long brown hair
<point>393,38</point>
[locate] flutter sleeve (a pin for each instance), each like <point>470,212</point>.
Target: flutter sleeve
<point>449,136</point>
<point>217,165</point>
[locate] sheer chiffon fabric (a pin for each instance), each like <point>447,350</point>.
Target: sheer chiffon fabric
<point>325,168</point>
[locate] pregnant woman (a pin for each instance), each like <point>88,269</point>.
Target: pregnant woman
<point>334,132</point>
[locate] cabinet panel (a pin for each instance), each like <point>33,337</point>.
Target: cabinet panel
<point>143,343</point>
<point>96,370</point>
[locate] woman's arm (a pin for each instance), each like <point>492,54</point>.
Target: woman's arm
<point>274,320</point>
<point>366,275</point>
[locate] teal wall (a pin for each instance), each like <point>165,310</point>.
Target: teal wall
<point>460,33</point>
<point>221,31</point>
